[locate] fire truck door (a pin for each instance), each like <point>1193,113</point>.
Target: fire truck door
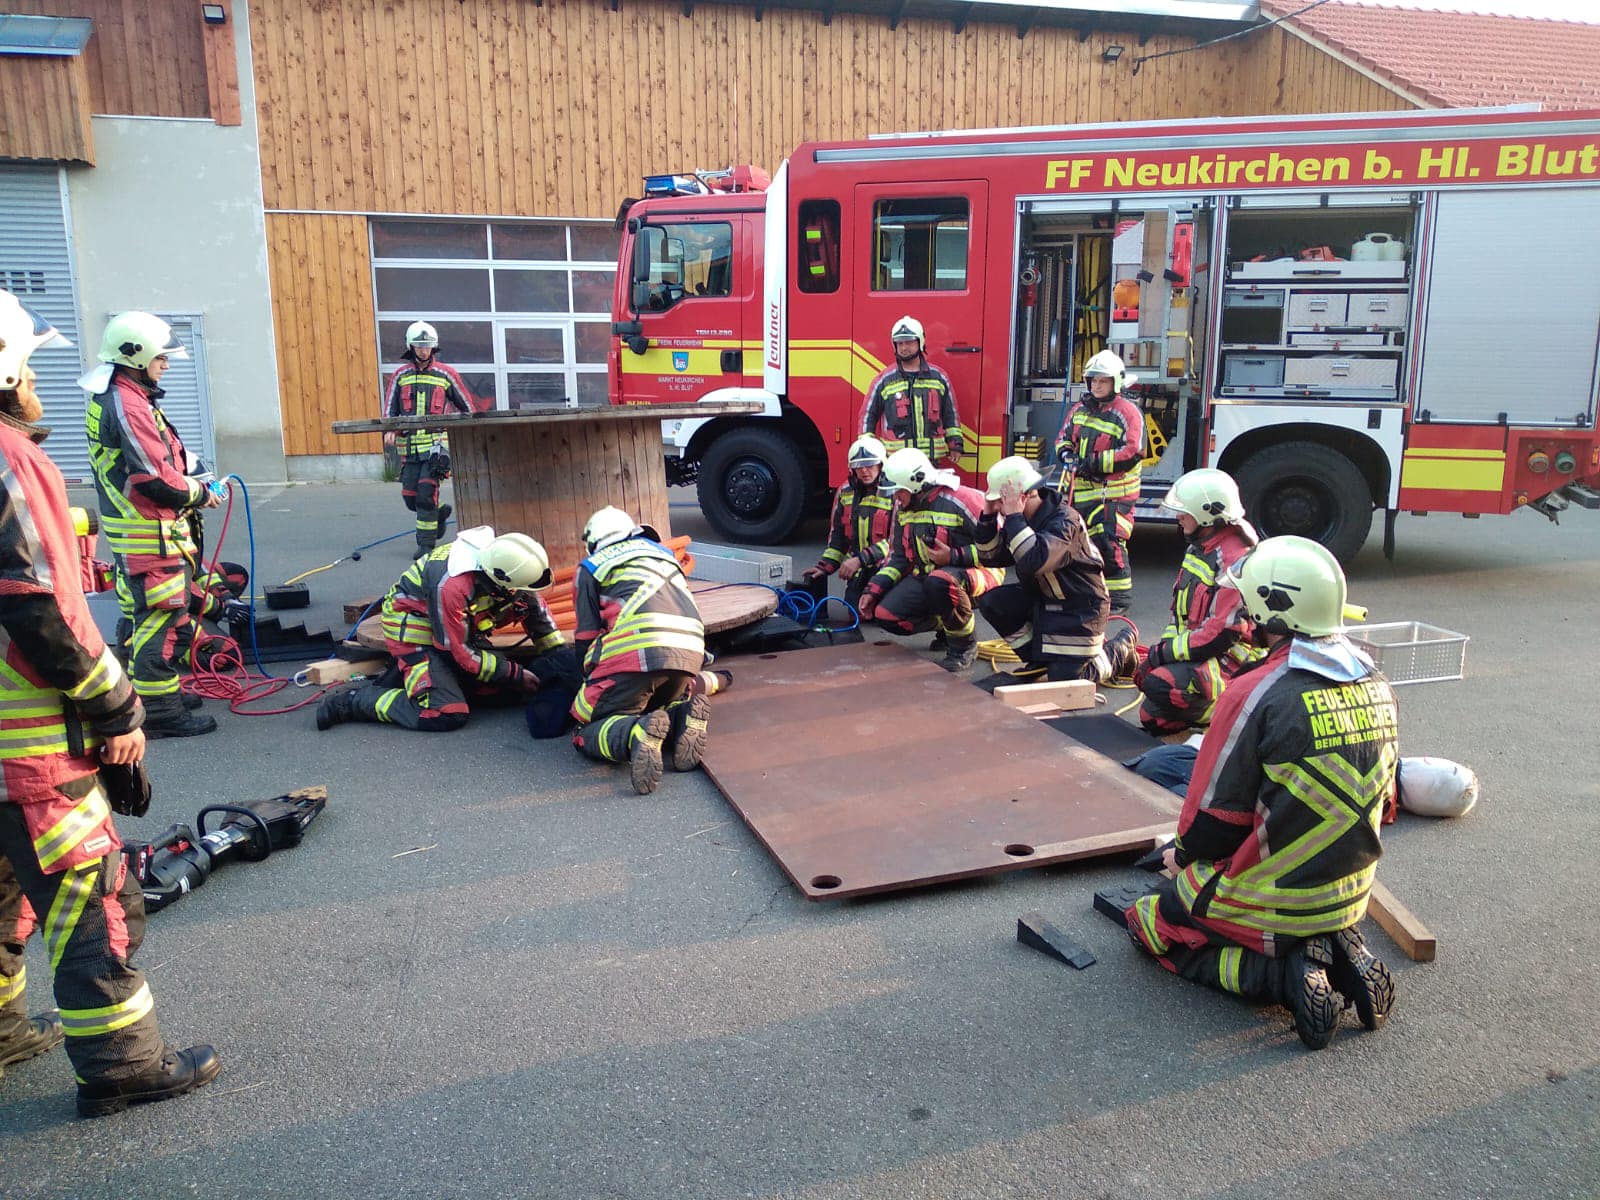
<point>924,246</point>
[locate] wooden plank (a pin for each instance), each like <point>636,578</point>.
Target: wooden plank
<point>1401,924</point>
<point>337,670</point>
<point>553,414</point>
<point>1065,694</point>
<point>1038,710</point>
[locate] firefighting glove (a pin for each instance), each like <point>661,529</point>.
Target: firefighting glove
<point>1160,654</point>
<point>127,788</point>
<point>1070,462</point>
<point>439,464</point>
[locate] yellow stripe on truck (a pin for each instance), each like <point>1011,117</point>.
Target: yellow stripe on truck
<point>1454,470</point>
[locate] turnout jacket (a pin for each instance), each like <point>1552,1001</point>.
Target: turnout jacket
<point>942,516</point>
<point>1208,616</point>
<point>423,391</point>
<point>1279,830</point>
<point>1109,442</point>
<point>862,516</point>
<point>914,408</point>
<point>455,614</point>
<point>141,475</point>
<point>635,612</point>
<point>1058,569</point>
<point>61,691</point>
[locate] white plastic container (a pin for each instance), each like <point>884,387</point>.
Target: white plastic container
<point>1378,247</point>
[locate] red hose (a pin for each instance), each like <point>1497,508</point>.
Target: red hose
<point>218,672</point>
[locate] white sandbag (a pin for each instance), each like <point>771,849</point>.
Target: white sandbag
<point>1437,787</point>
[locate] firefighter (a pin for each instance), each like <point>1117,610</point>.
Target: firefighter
<point>148,495</point>
<point>931,575</point>
<point>437,619</point>
<point>1054,616</point>
<point>424,387</point>
<point>68,708</point>
<point>646,686</point>
<point>1278,839</point>
<point>1209,637</point>
<point>911,404</point>
<point>858,531</point>
<point>1100,447</point>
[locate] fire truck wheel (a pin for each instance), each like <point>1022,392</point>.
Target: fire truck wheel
<point>753,485</point>
<point>1310,490</point>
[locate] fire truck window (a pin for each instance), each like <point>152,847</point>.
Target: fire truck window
<point>687,262</point>
<point>819,246</point>
<point>920,244</point>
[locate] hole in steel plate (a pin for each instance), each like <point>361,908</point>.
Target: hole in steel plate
<point>883,643</point>
<point>769,656</point>
<point>824,883</point>
<point>1018,850</point>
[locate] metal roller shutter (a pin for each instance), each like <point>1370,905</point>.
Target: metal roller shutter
<point>187,401</point>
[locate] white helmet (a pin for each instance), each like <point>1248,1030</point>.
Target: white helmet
<point>908,327</point>
<point>909,470</point>
<point>22,331</point>
<point>867,451</point>
<point>135,339</point>
<point>421,335</point>
<point>1107,363</point>
<point>1292,585</point>
<point>1014,470</point>
<point>1208,495</point>
<point>608,525</point>
<point>516,562</point>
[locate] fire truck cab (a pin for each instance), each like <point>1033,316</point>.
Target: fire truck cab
<point>1391,311</point>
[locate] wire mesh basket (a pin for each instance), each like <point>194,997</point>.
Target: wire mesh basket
<point>1413,652</point>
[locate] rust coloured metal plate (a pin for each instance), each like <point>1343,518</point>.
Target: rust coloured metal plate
<point>869,769</point>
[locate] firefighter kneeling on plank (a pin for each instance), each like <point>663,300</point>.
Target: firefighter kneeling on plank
<point>1209,638</point>
<point>1278,840</point>
<point>858,531</point>
<point>1054,616</point>
<point>931,575</point>
<point>645,685</point>
<point>437,620</point>
<point>67,708</point>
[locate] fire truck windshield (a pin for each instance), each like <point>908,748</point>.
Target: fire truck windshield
<point>687,261</point>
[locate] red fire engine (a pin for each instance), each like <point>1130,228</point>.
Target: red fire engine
<point>1395,311</point>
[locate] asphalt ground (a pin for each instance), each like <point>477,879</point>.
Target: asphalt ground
<point>565,990</point>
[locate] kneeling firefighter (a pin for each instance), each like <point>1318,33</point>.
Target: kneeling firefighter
<point>645,683</point>
<point>437,619</point>
<point>858,531</point>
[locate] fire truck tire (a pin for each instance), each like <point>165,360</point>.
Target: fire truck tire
<point>753,485</point>
<point>1307,489</point>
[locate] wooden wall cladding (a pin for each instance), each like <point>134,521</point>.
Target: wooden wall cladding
<point>44,109</point>
<point>326,333</point>
<point>146,58</point>
<point>557,109</point>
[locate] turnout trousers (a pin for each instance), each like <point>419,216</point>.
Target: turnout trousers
<point>1189,946</point>
<point>1110,525</point>
<point>1180,695</point>
<point>93,921</point>
<point>434,694</point>
<point>943,597</point>
<point>608,709</point>
<point>159,607</point>
<point>419,488</point>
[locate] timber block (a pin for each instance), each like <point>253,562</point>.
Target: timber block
<point>1036,932</point>
<point>337,670</point>
<point>1066,694</point>
<point>1041,711</point>
<point>1113,902</point>
<point>355,610</point>
<point>1401,924</point>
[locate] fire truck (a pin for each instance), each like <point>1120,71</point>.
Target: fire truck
<point>1394,312</point>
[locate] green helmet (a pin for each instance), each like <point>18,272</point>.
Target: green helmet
<point>22,331</point>
<point>1208,495</point>
<point>1292,585</point>
<point>516,562</point>
<point>1014,470</point>
<point>134,339</point>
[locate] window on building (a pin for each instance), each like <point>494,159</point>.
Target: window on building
<point>818,234</point>
<point>920,244</point>
<point>688,261</point>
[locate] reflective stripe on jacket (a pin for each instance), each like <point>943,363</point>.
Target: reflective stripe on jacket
<point>416,391</point>
<point>942,516</point>
<point>914,408</point>
<point>635,611</point>
<point>1109,440</point>
<point>140,473</point>
<point>1208,616</point>
<point>862,517</point>
<point>1058,569</point>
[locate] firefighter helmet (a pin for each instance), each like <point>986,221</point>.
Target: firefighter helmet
<point>1292,585</point>
<point>1108,364</point>
<point>1208,495</point>
<point>516,562</point>
<point>1014,470</point>
<point>421,336</point>
<point>908,327</point>
<point>135,339</point>
<point>608,525</point>
<point>909,470</point>
<point>867,451</point>
<point>22,331</point>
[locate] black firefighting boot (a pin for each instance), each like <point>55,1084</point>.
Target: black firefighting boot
<point>940,638</point>
<point>335,709</point>
<point>644,757</point>
<point>166,717</point>
<point>190,700</point>
<point>1361,978</point>
<point>960,653</point>
<point>444,516</point>
<point>687,740</point>
<point>26,1037</point>
<point>1122,650</point>
<point>179,1071</point>
<point>1309,994</point>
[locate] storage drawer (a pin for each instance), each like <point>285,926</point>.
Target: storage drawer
<point>1252,370</point>
<point>1252,298</point>
<point>1251,317</point>
<point>1332,339</point>
<point>1384,310</point>
<point>1295,270</point>
<point>1316,309</point>
<point>1337,372</point>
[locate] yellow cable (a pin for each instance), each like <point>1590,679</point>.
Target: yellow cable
<point>313,571</point>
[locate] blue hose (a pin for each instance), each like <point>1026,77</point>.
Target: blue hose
<point>805,609</point>
<point>250,529</point>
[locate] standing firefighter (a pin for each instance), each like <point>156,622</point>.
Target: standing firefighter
<point>147,498</point>
<point>858,531</point>
<point>911,404</point>
<point>427,387</point>
<point>68,708</point>
<point>931,574</point>
<point>645,685</point>
<point>437,619</point>
<point>1278,840</point>
<point>1100,448</point>
<point>1209,638</point>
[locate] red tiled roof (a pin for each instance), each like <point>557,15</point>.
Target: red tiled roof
<point>1461,60</point>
